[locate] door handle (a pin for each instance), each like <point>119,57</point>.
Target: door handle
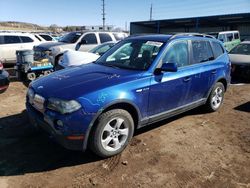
<point>214,71</point>
<point>187,79</point>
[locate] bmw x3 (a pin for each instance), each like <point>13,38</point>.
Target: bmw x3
<point>141,80</point>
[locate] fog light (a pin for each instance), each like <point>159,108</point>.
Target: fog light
<point>59,123</point>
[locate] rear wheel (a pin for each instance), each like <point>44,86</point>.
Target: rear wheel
<point>216,97</point>
<point>112,133</point>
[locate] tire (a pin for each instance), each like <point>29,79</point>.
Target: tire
<point>216,97</point>
<point>111,133</point>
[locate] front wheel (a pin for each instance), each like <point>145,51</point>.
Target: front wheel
<point>112,133</point>
<point>216,97</point>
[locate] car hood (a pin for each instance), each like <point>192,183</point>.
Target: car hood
<point>76,58</point>
<point>239,59</point>
<point>48,45</point>
<point>74,82</point>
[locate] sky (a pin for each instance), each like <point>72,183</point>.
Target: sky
<point>118,12</point>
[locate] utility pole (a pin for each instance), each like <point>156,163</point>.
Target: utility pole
<point>151,12</point>
<point>103,15</point>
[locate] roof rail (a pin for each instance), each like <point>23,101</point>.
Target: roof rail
<point>193,34</point>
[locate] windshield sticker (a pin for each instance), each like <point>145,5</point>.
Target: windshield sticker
<point>154,43</point>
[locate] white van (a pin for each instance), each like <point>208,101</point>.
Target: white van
<point>11,42</point>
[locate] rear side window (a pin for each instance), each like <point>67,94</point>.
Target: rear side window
<point>229,37</point>
<point>202,51</point>
<point>90,38</point>
<point>47,37</point>
<point>236,36</point>
<point>104,37</point>
<point>1,40</point>
<point>177,53</point>
<point>12,39</point>
<point>217,48</point>
<point>26,39</point>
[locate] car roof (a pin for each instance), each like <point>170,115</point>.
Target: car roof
<point>165,38</point>
<point>225,32</point>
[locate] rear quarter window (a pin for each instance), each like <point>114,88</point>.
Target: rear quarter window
<point>104,37</point>
<point>26,39</point>
<point>217,49</point>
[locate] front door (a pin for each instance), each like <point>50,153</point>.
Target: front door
<point>169,89</point>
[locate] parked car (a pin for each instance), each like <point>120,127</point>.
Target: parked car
<point>230,39</point>
<point>75,58</point>
<point>4,79</point>
<point>139,81</point>
<point>240,59</point>
<point>81,41</point>
<point>11,42</point>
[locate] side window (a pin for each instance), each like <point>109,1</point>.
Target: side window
<point>177,53</point>
<point>217,48</point>
<point>90,38</point>
<point>104,37</point>
<point>222,37</point>
<point>229,37</point>
<point>11,39</point>
<point>1,40</point>
<point>37,38</point>
<point>236,36</point>
<point>26,39</point>
<point>202,51</point>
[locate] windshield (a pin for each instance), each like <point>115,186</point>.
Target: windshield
<point>70,37</point>
<point>243,49</point>
<point>131,54</point>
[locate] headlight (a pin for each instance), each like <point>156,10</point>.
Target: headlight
<point>63,106</point>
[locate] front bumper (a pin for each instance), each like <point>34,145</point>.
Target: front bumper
<point>37,120</point>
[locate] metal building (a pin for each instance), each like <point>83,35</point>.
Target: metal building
<point>205,24</point>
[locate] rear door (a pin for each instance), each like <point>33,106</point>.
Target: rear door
<point>203,70</point>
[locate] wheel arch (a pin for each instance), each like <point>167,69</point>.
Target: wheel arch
<point>121,104</point>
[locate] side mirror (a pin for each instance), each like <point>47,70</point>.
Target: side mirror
<point>167,67</point>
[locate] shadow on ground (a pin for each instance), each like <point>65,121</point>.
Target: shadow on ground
<point>243,107</point>
<point>23,150</point>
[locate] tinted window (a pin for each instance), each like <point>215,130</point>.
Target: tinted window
<point>1,40</point>
<point>70,37</point>
<point>229,37</point>
<point>104,37</point>
<point>177,53</point>
<point>236,36</point>
<point>217,48</point>
<point>243,49</point>
<point>26,39</point>
<point>202,51</point>
<point>47,37</point>
<point>90,38</point>
<point>11,39</point>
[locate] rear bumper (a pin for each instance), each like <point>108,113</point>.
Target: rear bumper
<point>4,80</point>
<point>67,141</point>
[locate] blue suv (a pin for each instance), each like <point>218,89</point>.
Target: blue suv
<point>141,80</point>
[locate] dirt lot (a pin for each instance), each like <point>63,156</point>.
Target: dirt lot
<point>196,149</point>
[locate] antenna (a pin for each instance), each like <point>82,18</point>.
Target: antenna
<point>103,15</point>
<point>151,12</point>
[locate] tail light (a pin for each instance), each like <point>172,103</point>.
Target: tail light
<point>1,65</point>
